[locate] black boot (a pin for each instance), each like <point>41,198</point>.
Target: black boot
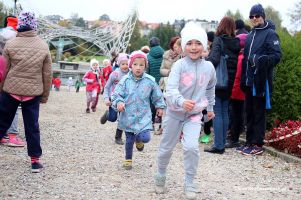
<point>118,136</point>
<point>214,150</point>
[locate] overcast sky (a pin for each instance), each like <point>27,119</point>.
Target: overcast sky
<point>154,10</point>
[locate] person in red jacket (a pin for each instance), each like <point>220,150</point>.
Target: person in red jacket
<point>93,87</point>
<point>237,100</point>
<point>107,70</point>
<point>57,83</point>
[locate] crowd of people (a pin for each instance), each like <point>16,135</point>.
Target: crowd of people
<point>175,88</point>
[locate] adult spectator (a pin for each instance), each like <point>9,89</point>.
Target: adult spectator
<point>224,43</point>
<point>27,82</point>
<point>262,53</point>
<point>240,27</point>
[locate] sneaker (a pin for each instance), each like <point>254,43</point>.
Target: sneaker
<point>119,141</point>
<point>104,118</point>
<point>93,109</point>
<point>191,191</point>
<point>242,148</point>
<point>158,132</point>
<point>36,167</point>
<point>204,139</point>
<point>253,150</point>
<point>15,141</point>
<point>127,164</point>
<point>160,183</point>
<point>88,110</point>
<point>4,140</point>
<point>139,146</point>
<point>231,144</point>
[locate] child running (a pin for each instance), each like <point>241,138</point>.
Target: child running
<point>115,77</point>
<point>132,98</point>
<point>92,85</point>
<point>190,89</point>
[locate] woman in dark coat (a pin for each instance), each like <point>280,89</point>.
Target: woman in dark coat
<point>224,41</point>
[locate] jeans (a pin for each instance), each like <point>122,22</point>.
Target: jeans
<point>13,129</point>
<point>220,122</point>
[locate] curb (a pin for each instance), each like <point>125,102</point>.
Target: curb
<point>274,152</point>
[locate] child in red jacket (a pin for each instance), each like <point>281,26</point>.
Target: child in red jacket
<point>92,80</point>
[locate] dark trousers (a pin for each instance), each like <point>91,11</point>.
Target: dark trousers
<point>237,119</point>
<point>207,127</point>
<point>131,138</point>
<point>256,118</point>
<point>30,112</point>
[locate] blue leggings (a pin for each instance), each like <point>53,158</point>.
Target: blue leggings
<point>131,138</point>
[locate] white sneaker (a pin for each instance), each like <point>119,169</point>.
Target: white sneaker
<point>191,191</point>
<point>160,183</point>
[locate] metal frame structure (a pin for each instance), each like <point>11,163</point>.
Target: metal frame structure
<point>114,37</point>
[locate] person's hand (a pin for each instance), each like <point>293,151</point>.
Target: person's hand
<point>188,105</point>
<point>121,107</point>
<point>108,103</point>
<point>159,112</point>
<point>43,100</point>
<point>210,115</point>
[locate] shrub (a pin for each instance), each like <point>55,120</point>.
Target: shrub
<point>286,98</point>
<point>286,137</point>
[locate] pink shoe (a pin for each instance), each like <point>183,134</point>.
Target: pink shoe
<point>4,141</point>
<point>15,141</point>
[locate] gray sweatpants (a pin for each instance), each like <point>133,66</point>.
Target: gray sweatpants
<point>172,129</point>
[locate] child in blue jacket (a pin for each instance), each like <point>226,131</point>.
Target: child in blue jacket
<point>132,98</point>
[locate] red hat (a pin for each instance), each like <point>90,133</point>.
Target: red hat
<point>12,22</point>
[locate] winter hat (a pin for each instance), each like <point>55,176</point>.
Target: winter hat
<point>257,9</point>
<point>242,39</point>
<point>27,20</point>
<point>12,22</point>
<point>154,41</point>
<point>92,62</point>
<point>137,54</point>
<point>122,57</point>
<point>192,31</point>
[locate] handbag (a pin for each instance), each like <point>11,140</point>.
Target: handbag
<point>221,70</point>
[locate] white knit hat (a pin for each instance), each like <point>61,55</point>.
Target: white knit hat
<point>192,31</point>
<point>92,62</point>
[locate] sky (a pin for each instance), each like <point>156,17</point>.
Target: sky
<point>154,10</point>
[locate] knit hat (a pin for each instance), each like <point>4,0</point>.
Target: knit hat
<point>12,22</point>
<point>137,54</point>
<point>154,41</point>
<point>27,20</point>
<point>242,40</point>
<point>257,9</point>
<point>92,62</point>
<point>192,31</point>
<point>122,57</point>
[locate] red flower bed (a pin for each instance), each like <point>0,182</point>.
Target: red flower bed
<point>286,137</point>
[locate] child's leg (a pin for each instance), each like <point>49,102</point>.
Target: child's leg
<point>171,133</point>
<point>190,143</point>
<point>144,136</point>
<point>130,139</point>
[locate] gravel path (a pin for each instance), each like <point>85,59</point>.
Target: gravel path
<point>82,161</point>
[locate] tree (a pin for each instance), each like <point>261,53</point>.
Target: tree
<point>104,17</point>
<point>136,41</point>
<point>235,16</point>
<point>80,22</point>
<point>2,14</point>
<point>272,14</point>
<point>64,23</point>
<point>296,14</point>
<point>164,32</point>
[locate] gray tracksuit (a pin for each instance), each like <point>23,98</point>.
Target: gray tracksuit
<point>193,80</point>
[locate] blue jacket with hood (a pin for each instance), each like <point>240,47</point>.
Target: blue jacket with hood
<point>262,53</point>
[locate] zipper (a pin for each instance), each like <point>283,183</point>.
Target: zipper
<point>249,56</point>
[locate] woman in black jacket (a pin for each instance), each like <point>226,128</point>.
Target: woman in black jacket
<point>224,42</point>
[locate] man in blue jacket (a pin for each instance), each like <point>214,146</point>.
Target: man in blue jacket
<point>262,53</point>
